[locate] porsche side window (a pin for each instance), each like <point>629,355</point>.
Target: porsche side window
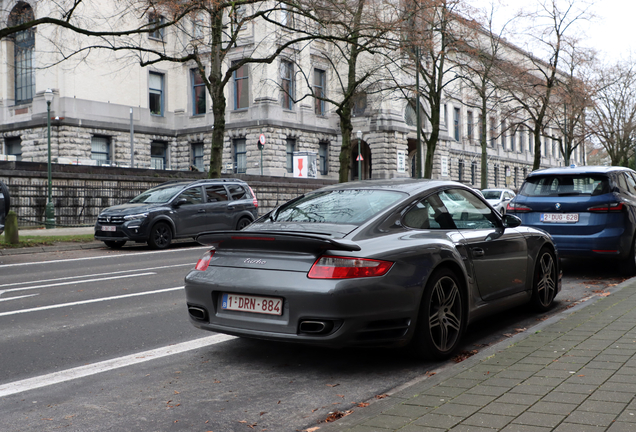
<point>429,213</point>
<point>467,211</point>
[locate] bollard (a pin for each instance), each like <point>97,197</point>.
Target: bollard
<point>11,228</point>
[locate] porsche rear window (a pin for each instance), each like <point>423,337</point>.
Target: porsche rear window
<point>347,206</point>
<point>565,185</point>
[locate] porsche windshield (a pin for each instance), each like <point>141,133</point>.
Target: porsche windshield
<point>347,206</point>
<point>158,195</point>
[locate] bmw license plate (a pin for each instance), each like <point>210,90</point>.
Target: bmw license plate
<point>559,217</point>
<point>109,228</point>
<point>255,304</point>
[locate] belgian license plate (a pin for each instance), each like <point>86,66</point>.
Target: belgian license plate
<point>255,304</point>
<point>109,228</point>
<point>560,217</point>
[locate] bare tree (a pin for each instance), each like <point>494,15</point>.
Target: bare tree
<point>613,118</point>
<point>532,80</point>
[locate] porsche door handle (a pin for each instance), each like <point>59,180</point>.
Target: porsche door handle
<point>478,252</point>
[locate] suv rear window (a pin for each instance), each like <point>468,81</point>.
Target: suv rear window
<point>565,185</point>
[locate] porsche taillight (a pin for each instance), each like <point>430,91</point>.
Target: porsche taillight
<point>204,261</point>
<point>336,267</point>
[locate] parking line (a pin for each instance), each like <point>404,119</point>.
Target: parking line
<point>57,306</point>
<point>104,366</point>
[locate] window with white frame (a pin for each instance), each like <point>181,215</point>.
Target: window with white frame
<point>291,148</point>
<point>155,19</point>
<point>469,125</point>
<point>159,155</point>
<point>323,155</point>
<point>198,93</point>
<point>100,150</point>
<point>319,91</point>
<point>241,88</point>
<point>287,84</point>
<point>512,140</point>
<point>156,93</point>
<point>23,49</point>
<point>197,156</point>
<point>456,123</point>
<point>240,155</point>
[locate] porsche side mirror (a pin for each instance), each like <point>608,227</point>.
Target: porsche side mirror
<point>511,221</point>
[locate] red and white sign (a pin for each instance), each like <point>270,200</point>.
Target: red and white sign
<point>261,139</point>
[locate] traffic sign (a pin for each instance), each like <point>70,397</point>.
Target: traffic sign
<point>261,141</point>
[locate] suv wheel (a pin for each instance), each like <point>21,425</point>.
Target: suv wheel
<point>160,236</point>
<point>242,223</point>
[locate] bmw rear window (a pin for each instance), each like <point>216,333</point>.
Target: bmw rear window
<point>347,206</point>
<point>565,185</point>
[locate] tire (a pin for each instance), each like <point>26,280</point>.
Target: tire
<point>7,198</point>
<point>160,236</point>
<point>628,266</point>
<point>544,281</point>
<point>242,223</point>
<point>442,317</point>
<point>114,244</point>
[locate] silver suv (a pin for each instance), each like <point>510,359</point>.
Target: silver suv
<point>178,209</point>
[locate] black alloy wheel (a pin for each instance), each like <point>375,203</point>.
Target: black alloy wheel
<point>242,223</point>
<point>160,236</point>
<point>544,284</point>
<point>441,318</point>
<point>115,244</point>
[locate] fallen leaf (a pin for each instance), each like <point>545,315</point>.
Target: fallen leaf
<point>263,412</point>
<point>313,429</point>
<point>363,404</point>
<point>332,385</point>
<point>382,396</point>
<point>342,396</point>
<point>176,392</point>
<point>336,415</point>
<point>463,355</point>
<point>242,421</point>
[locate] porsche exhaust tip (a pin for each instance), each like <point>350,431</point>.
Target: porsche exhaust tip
<point>198,313</point>
<point>315,327</point>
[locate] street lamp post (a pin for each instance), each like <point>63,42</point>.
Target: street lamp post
<point>49,209</point>
<point>359,134</point>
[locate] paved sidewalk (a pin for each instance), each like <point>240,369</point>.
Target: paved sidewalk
<point>56,247</point>
<point>575,372</point>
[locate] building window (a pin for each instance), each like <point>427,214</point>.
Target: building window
<point>359,104</point>
<point>154,19</point>
<point>512,141</point>
<point>158,155</point>
<point>198,24</point>
<point>100,150</point>
<point>445,114</point>
<point>287,82</point>
<point>237,13</point>
<point>319,91</point>
<point>23,48</point>
<point>503,135</point>
<point>522,142</point>
<point>197,156</point>
<point>516,175</point>
<point>469,125</point>
<point>285,15</point>
<point>493,132</point>
<point>240,156</point>
<point>155,90</point>
<point>525,173</point>
<point>13,147</point>
<point>473,172</point>
<point>198,93</point>
<point>460,170</point>
<point>241,88</point>
<point>291,147</point>
<point>323,154</point>
<point>456,123</point>
<point>530,142</point>
<point>496,175</point>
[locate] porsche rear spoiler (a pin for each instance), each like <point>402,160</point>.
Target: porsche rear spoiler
<point>274,240</point>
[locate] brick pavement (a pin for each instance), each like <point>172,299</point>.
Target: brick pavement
<point>575,372</point>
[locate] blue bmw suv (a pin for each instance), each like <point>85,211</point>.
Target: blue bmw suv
<point>590,211</point>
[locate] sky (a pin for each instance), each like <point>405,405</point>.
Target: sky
<point>610,32</point>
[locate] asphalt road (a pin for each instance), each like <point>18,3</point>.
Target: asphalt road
<point>99,340</point>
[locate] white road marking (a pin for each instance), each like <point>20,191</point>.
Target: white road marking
<point>104,366</point>
<point>57,306</point>
<point>97,274</point>
<point>18,297</point>
<point>100,257</point>
<point>76,282</point>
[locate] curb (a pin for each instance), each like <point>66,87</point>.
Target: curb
<point>54,248</point>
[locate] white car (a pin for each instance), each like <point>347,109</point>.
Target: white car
<point>498,198</point>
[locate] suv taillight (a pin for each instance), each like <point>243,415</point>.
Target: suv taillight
<point>514,207</point>
<point>336,267</point>
<point>606,208</point>
<point>255,201</point>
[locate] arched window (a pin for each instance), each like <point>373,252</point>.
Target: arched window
<point>23,47</point>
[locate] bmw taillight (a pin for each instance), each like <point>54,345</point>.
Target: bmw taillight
<point>254,200</point>
<point>336,267</point>
<point>204,261</point>
<point>606,208</point>
<point>515,207</point>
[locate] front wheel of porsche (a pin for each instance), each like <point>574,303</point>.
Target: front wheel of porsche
<point>545,279</point>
